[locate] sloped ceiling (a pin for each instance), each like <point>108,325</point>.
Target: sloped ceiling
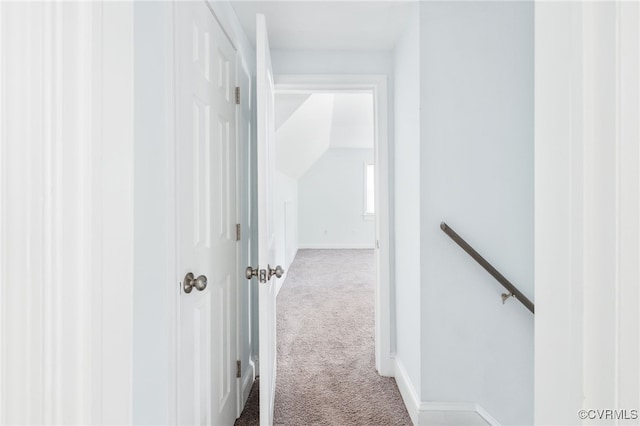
<point>287,104</point>
<point>304,136</point>
<point>308,125</point>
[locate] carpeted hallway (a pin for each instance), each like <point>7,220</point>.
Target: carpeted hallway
<point>326,368</point>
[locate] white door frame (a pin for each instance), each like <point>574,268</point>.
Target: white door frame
<point>66,213</point>
<point>376,84</point>
<point>587,204</point>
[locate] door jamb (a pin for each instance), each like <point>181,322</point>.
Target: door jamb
<point>377,84</point>
<point>173,281</point>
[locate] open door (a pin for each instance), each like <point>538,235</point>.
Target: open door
<point>266,250</point>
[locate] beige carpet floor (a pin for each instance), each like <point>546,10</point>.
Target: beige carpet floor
<point>326,367</point>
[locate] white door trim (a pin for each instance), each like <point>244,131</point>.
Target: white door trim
<point>587,204</point>
<point>376,83</point>
<point>66,213</point>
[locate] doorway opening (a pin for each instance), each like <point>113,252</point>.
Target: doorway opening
<point>352,89</point>
<point>333,152</point>
<point>324,172</point>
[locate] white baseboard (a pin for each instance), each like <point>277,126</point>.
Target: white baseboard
<point>454,414</point>
<point>425,413</point>
<point>407,391</point>
<point>256,365</point>
<point>486,416</point>
<point>336,246</point>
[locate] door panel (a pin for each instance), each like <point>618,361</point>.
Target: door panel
<point>222,301</point>
<point>206,186</point>
<point>201,323</point>
<point>202,173</point>
<point>266,247</point>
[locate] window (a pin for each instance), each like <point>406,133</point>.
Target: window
<point>369,190</point>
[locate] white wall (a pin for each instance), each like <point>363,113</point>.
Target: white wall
<point>587,238</point>
<point>407,203</point>
<point>331,201</point>
<point>152,338</point>
<point>476,68</point>
<point>330,62</point>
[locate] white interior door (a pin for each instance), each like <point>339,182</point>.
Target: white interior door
<point>206,215</point>
<point>266,246</point>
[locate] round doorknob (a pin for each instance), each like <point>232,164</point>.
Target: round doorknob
<point>250,272</point>
<point>278,271</point>
<point>190,282</point>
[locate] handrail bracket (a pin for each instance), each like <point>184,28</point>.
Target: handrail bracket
<point>506,296</point>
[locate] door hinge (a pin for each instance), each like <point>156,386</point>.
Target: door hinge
<point>238,232</point>
<point>239,369</point>
<point>237,95</point>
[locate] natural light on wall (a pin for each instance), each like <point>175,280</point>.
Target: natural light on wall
<point>369,190</point>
